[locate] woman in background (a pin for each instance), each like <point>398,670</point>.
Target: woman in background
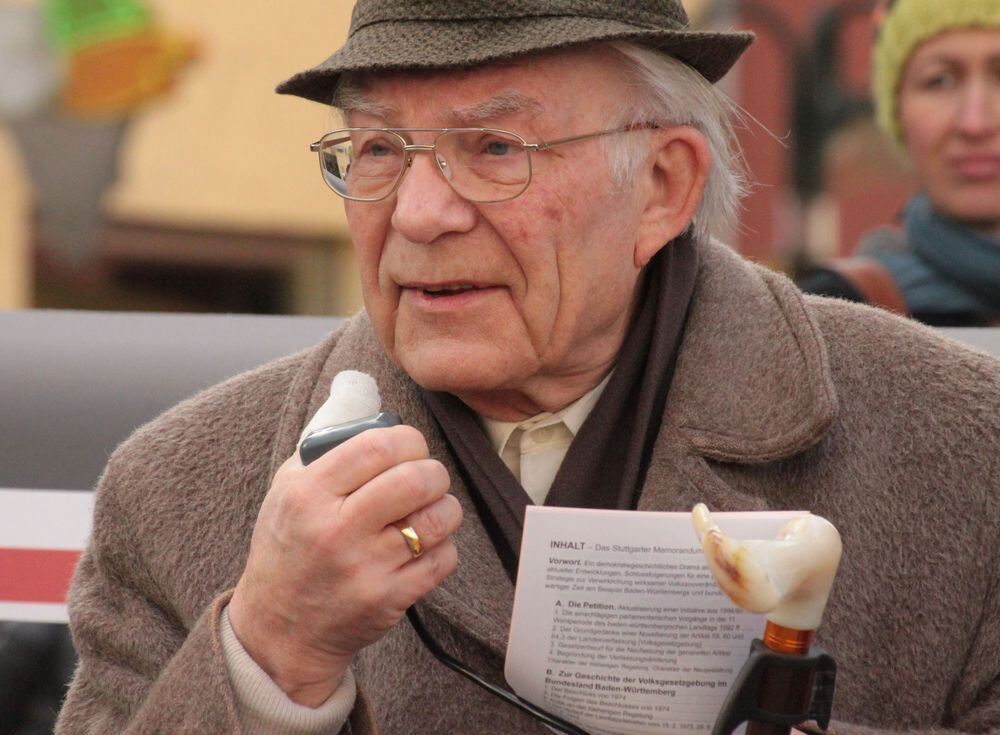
<point>937,95</point>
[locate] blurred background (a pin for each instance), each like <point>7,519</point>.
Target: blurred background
<point>146,164</point>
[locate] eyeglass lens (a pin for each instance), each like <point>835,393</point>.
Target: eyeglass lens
<point>481,165</point>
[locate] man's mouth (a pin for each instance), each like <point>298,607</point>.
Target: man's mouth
<point>450,289</point>
<point>444,289</point>
<point>447,296</point>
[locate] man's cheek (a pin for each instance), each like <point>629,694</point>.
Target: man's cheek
<point>385,322</point>
<point>554,213</point>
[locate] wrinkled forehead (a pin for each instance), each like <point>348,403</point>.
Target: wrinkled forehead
<point>550,83</point>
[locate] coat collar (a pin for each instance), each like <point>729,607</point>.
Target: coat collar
<point>748,336</point>
<point>752,382</point>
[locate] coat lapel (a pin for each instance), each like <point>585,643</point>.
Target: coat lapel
<point>752,385</point>
<point>752,382</point>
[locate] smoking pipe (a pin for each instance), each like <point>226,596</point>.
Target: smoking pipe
<point>786,679</point>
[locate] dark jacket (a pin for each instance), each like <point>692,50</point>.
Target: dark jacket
<point>931,267</point>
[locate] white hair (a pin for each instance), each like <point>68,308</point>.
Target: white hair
<point>666,91</point>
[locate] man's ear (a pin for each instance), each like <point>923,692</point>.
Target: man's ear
<point>676,174</point>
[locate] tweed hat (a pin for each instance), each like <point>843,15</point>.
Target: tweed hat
<point>906,25</point>
<point>439,34</point>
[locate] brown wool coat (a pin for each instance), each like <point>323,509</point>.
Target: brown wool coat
<point>778,401</point>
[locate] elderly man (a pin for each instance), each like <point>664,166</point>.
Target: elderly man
<point>530,188</point>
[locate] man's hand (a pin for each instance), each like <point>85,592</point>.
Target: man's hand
<point>329,571</point>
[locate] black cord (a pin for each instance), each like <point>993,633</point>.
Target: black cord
<point>557,723</point>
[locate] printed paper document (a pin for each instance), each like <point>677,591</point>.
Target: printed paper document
<point>619,627</point>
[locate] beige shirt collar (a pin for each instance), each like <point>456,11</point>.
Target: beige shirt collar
<point>572,415</point>
<point>535,455</point>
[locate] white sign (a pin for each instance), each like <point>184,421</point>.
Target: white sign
<point>42,533</point>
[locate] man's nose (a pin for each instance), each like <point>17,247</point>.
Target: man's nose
<point>979,109</point>
<point>427,207</point>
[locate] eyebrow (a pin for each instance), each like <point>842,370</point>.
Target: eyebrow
<point>951,59</point>
<point>352,99</point>
<point>505,103</point>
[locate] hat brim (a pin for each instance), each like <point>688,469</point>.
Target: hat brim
<point>441,45</point>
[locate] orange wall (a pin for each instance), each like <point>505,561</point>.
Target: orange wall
<point>223,150</point>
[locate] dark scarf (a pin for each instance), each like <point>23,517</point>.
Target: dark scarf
<point>606,464</point>
<point>947,268</point>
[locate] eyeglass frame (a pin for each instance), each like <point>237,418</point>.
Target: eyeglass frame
<point>409,148</point>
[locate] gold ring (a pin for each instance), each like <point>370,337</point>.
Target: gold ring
<point>413,541</point>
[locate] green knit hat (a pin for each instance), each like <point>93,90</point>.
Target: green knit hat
<point>908,24</point>
<point>439,34</point>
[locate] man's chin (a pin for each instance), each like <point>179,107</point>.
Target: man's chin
<point>457,373</point>
<point>450,380</point>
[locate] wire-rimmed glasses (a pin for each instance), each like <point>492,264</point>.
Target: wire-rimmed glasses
<point>483,165</point>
